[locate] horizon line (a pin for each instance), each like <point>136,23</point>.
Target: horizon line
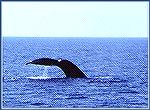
<point>77,36</point>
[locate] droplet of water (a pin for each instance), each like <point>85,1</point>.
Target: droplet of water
<point>45,71</point>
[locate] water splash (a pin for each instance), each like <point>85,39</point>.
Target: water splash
<point>44,76</point>
<point>45,71</point>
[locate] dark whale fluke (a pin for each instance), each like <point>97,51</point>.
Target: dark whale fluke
<point>70,70</point>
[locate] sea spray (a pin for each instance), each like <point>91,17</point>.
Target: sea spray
<point>45,71</point>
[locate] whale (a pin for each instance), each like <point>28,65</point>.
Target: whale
<point>70,69</point>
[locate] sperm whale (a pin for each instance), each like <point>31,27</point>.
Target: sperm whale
<point>70,69</point>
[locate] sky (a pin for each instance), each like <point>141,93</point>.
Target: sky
<point>75,19</point>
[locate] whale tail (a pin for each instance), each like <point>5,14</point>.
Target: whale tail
<point>70,70</point>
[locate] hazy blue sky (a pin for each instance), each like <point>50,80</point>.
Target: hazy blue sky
<point>75,19</point>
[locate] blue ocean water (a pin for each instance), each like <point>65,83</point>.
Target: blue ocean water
<point>117,71</point>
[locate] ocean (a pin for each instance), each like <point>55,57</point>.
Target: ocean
<point>117,71</point>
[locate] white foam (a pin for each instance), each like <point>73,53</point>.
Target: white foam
<point>39,77</point>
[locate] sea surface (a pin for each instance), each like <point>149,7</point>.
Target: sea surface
<point>117,71</point>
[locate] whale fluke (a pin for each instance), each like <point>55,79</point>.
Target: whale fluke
<point>70,70</point>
